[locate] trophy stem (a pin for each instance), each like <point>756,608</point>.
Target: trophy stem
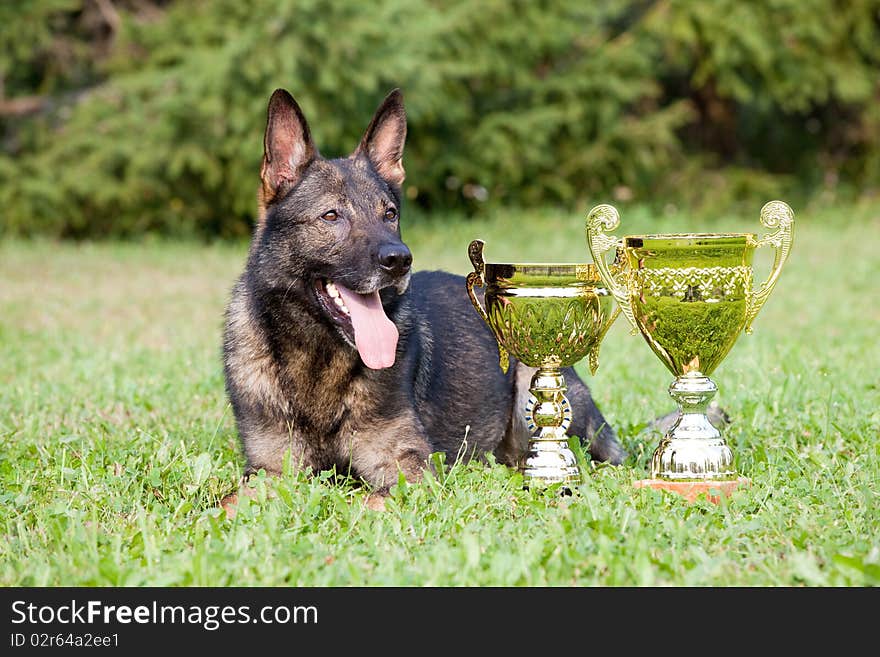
<point>693,449</point>
<point>549,459</point>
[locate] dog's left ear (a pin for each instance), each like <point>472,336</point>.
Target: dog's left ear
<point>384,139</point>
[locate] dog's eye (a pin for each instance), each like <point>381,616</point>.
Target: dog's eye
<point>330,215</point>
<point>390,214</point>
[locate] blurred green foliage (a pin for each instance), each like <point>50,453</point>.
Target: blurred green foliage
<point>119,117</point>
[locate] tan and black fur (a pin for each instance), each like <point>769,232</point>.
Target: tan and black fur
<point>296,382</point>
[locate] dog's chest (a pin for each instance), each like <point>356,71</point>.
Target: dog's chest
<point>321,394</point>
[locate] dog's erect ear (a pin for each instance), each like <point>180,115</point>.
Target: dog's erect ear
<point>384,139</point>
<point>287,145</point>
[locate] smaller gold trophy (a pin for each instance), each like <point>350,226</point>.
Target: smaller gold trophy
<point>548,316</point>
<point>690,296</point>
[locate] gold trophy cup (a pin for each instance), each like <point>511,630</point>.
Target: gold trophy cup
<point>548,316</point>
<point>690,296</point>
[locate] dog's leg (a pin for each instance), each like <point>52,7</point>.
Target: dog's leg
<point>513,447</point>
<point>268,443</point>
<point>383,450</point>
<point>587,421</point>
<point>589,424</point>
<point>265,448</point>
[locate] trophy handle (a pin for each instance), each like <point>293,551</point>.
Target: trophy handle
<point>779,215</point>
<point>475,278</point>
<point>604,218</point>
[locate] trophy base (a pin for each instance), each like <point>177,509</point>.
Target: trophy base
<point>550,462</point>
<point>693,449</point>
<point>690,490</point>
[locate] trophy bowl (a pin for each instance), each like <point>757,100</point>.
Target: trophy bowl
<point>547,316</point>
<point>690,295</point>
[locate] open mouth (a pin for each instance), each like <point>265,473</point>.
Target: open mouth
<point>361,320</point>
<point>334,305</point>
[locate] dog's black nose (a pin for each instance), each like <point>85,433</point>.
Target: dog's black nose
<point>395,258</point>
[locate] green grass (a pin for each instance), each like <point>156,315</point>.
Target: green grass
<point>117,442</point>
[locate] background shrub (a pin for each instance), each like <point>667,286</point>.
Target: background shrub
<point>124,117</point>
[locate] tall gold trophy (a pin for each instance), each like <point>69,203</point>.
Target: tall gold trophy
<point>690,296</point>
<point>548,316</point>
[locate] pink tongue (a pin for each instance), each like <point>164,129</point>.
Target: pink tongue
<point>374,334</point>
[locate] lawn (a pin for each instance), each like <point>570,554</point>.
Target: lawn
<point>117,442</point>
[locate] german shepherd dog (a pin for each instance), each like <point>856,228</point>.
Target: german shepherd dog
<point>336,354</point>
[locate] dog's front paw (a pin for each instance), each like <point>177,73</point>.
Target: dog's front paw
<point>229,504</point>
<point>376,500</point>
<point>247,487</point>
